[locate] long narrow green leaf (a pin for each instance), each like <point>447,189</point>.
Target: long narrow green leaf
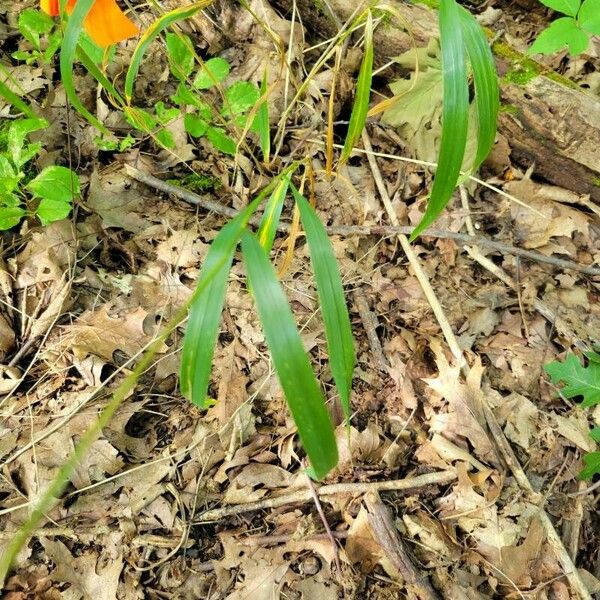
<point>67,58</point>
<point>262,120</point>
<point>338,330</point>
<point>270,219</point>
<point>98,75</point>
<point>296,377</point>
<point>205,313</point>
<point>151,34</point>
<point>487,94</point>
<point>358,118</point>
<point>16,101</point>
<point>455,114</point>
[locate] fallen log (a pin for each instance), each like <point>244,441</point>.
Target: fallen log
<point>551,122</point>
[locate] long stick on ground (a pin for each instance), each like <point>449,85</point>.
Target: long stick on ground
<point>335,489</point>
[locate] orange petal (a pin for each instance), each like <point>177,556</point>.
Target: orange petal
<point>50,6</point>
<point>107,24</point>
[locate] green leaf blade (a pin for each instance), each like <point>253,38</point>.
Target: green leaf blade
<point>205,311</point>
<point>338,330</point>
<point>295,374</point>
<point>455,114</point>
<point>487,92</point>
<point>270,219</point>
<point>358,117</point>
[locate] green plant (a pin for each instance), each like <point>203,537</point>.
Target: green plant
<point>47,195</point>
<point>39,30</point>
<point>578,380</point>
<point>573,31</point>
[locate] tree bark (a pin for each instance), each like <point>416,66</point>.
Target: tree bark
<point>552,124</point>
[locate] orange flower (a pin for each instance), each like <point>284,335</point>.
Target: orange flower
<point>106,23</point>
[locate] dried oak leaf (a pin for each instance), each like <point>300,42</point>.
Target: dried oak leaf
<point>87,573</point>
<point>100,333</point>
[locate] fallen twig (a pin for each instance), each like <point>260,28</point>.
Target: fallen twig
<point>304,496</point>
<point>386,535</point>
<point>362,230</point>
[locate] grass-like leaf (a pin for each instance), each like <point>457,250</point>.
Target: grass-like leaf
<point>455,114</point>
<point>338,330</point>
<point>262,120</point>
<point>151,34</point>
<point>296,377</point>
<point>270,218</point>
<point>487,94</point>
<point>205,313</point>
<point>67,58</point>
<point>16,101</point>
<point>360,108</point>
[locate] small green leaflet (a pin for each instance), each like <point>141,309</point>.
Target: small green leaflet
<point>576,379</point>
<point>562,32</point>
<point>567,7</point>
<point>589,16</point>
<point>56,186</point>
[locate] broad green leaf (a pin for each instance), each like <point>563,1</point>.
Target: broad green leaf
<point>18,151</point>
<point>577,380</point>
<point>338,330</point>
<point>151,34</point>
<point>221,141</point>
<point>56,184</point>
<point>195,125</point>
<point>67,59</point>
<point>487,93</point>
<point>589,16</point>
<point>567,7</point>
<point>9,178</point>
<point>592,465</point>
<point>562,32</point>
<point>213,71</point>
<point>205,313</point>
<point>270,219</point>
<point>180,52</point>
<point>32,24</point>
<point>595,434</point>
<point>10,216</point>
<point>185,97</point>
<point>165,114</point>
<point>455,114</point>
<point>240,98</point>
<point>16,101</point>
<point>295,374</point>
<point>50,210</point>
<point>360,108</point>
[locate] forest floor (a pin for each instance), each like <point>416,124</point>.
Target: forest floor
<point>497,509</point>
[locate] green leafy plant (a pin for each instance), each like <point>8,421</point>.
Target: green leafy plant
<point>465,53</point>
<point>578,380</point>
<point>573,31</point>
<point>291,362</point>
<point>48,195</point>
<point>40,31</point>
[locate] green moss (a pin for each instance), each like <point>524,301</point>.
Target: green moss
<point>509,109</point>
<point>523,69</point>
<point>435,4</point>
<point>198,183</point>
<point>596,181</point>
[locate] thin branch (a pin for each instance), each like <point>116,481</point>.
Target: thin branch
<point>362,230</point>
<point>304,496</point>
